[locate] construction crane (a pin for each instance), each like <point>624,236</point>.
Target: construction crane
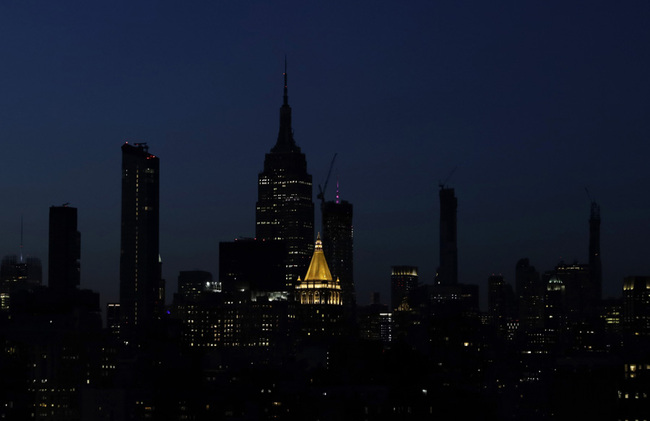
<point>321,190</point>
<point>442,184</point>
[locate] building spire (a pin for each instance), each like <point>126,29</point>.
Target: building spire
<point>285,141</point>
<point>21,238</point>
<point>337,190</point>
<point>286,93</point>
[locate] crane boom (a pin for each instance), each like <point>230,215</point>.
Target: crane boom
<point>321,190</point>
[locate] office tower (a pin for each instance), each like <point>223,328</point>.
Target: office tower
<point>64,249</point>
<point>636,306</point>
<point>555,312</point>
<point>199,307</point>
<point>338,245</point>
<point>448,269</point>
<point>576,279</point>
<point>140,274</point>
<point>501,301</point>
<point>113,319</point>
<point>403,280</point>
<point>530,291</point>
<point>633,398</point>
<point>192,283</point>
<point>18,274</point>
<point>253,266</point>
<point>285,210</point>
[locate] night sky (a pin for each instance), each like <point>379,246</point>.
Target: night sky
<point>530,101</point>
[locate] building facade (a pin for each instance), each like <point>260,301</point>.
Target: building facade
<point>448,269</point>
<point>140,277</point>
<point>64,249</point>
<point>403,280</point>
<point>338,241</point>
<point>285,208</point>
<point>252,266</point>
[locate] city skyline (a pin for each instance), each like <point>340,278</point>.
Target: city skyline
<point>530,104</point>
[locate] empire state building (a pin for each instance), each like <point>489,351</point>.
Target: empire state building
<point>285,210</point>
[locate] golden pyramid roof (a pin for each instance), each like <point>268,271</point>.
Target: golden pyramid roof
<point>318,269</point>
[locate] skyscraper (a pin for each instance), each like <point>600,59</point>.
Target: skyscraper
<point>636,306</point>
<point>530,292</point>
<point>285,210</point>
<point>64,249</point>
<point>338,245</point>
<point>403,280</point>
<point>501,298</point>
<point>140,276</point>
<point>448,269</point>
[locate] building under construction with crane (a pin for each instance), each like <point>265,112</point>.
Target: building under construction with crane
<point>338,238</point>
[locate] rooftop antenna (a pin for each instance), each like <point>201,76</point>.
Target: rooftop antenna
<point>286,95</point>
<point>337,190</point>
<point>595,209</point>
<point>21,238</point>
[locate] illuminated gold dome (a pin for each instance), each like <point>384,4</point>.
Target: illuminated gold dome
<point>318,269</point>
<point>318,287</point>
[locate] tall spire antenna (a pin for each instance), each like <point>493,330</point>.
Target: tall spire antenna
<point>337,189</point>
<point>286,95</point>
<point>21,238</point>
<point>285,141</point>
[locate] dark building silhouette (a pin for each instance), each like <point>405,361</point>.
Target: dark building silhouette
<point>403,281</point>
<point>285,210</point>
<point>636,306</point>
<point>192,283</point>
<point>113,319</point>
<point>140,278</point>
<point>555,312</point>
<point>64,249</point>
<point>252,266</point>
<point>576,279</point>
<point>14,269</point>
<point>18,274</point>
<point>501,302</point>
<point>633,397</point>
<point>448,269</point>
<point>54,332</point>
<point>530,291</point>
<point>338,246</point>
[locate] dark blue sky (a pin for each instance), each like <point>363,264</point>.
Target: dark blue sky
<point>532,101</point>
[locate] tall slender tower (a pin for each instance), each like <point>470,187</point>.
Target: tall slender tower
<point>448,269</point>
<point>140,276</point>
<point>338,236</point>
<point>64,249</point>
<point>285,209</point>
